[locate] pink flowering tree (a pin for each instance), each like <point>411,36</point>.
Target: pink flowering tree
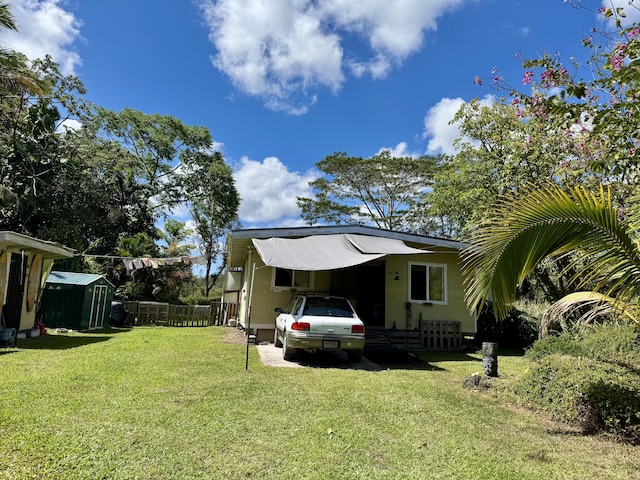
<point>600,115</point>
<point>594,232</point>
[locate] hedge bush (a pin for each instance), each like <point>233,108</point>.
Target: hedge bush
<point>619,344</point>
<point>594,395</point>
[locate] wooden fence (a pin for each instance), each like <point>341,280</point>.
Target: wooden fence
<point>224,313</point>
<point>157,313</point>
<point>433,335</point>
<point>441,335</point>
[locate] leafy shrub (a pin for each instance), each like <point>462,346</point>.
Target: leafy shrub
<point>518,330</point>
<point>594,395</point>
<point>618,344</point>
<point>563,344</point>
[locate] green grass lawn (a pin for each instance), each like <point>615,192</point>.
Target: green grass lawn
<point>160,403</point>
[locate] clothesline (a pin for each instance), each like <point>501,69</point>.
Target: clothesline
<point>136,263</point>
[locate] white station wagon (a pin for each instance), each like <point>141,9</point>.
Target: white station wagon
<point>314,322</point>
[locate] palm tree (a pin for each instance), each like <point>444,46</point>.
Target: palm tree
<point>15,77</point>
<point>601,241</point>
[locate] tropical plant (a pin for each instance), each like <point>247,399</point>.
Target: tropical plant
<point>15,77</point>
<point>601,241</point>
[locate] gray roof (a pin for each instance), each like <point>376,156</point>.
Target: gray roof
<point>16,242</point>
<point>73,278</point>
<point>239,240</point>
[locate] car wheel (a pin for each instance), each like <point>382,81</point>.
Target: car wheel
<point>287,353</point>
<point>354,357</point>
<point>276,339</point>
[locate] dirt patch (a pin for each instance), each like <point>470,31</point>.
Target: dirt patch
<point>234,335</point>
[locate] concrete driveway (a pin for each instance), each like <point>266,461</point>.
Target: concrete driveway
<point>272,356</point>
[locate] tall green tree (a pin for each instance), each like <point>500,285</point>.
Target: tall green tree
<point>380,190</point>
<point>209,188</point>
<point>599,110</point>
<point>499,150</point>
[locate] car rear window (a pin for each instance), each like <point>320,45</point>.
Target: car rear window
<point>327,307</point>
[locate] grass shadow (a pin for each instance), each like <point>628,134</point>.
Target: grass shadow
<point>400,360</point>
<point>338,360</point>
<point>58,342</point>
<point>109,330</point>
<point>446,357</point>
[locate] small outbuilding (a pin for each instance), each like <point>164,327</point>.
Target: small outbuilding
<point>79,301</point>
<point>25,263</point>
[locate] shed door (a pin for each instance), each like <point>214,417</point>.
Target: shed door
<point>15,291</point>
<point>98,306</point>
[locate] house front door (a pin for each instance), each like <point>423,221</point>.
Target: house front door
<point>364,285</point>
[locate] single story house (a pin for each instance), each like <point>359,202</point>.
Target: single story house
<point>395,281</point>
<point>79,301</point>
<point>25,263</point>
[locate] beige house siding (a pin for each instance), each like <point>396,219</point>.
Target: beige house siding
<point>397,294</point>
<point>265,297</point>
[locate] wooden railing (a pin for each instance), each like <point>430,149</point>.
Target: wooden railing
<point>434,335</point>
<point>158,313</point>
<point>441,335</point>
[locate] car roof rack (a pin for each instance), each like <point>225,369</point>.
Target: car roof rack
<point>317,293</point>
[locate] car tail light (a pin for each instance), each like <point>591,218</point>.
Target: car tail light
<point>304,326</point>
<point>357,328</point>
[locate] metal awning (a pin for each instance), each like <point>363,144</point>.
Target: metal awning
<point>328,252</point>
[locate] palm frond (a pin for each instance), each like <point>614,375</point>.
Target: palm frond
<point>525,228</point>
<point>6,17</point>
<point>600,305</point>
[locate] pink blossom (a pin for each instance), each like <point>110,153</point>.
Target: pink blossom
<point>602,10</point>
<point>634,32</point>
<point>477,80</point>
<point>617,62</point>
<point>526,79</point>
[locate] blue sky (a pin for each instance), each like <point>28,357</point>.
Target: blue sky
<point>283,83</point>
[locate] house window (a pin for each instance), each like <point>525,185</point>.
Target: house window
<point>428,283</point>
<point>285,278</point>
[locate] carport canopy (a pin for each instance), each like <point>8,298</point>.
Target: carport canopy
<point>328,252</point>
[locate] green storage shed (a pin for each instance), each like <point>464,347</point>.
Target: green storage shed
<point>78,301</point>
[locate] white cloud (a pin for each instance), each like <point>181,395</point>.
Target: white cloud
<point>45,27</point>
<point>400,150</point>
<point>69,124</point>
<point>438,127</point>
<point>631,12</point>
<point>287,51</point>
<point>269,190</point>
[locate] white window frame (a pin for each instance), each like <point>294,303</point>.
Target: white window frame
<point>445,301</point>
<point>284,287</point>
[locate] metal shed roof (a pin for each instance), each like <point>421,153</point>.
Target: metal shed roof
<point>73,278</point>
